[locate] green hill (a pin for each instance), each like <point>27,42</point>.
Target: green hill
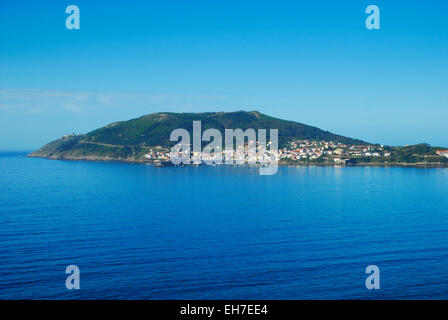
<point>130,140</point>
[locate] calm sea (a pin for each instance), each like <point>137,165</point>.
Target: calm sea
<point>140,232</point>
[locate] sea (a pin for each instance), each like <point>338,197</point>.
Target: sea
<point>141,232</point>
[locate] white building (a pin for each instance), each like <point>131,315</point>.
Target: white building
<point>442,153</point>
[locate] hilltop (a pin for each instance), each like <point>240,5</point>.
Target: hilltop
<point>131,140</point>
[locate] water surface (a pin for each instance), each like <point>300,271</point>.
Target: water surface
<point>140,232</point>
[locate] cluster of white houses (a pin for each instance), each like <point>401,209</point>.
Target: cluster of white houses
<point>295,151</point>
<point>309,150</point>
<point>256,154</point>
<point>442,153</point>
<point>157,155</point>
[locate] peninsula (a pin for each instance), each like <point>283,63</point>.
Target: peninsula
<point>147,140</point>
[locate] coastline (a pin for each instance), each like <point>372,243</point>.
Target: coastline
<point>167,163</point>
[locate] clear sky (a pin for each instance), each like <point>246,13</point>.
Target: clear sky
<point>309,61</point>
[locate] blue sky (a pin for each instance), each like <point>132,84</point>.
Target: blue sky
<point>308,61</point>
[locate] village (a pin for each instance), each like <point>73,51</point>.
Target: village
<point>339,153</point>
<point>295,151</point>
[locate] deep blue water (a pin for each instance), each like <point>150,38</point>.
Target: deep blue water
<point>140,232</point>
